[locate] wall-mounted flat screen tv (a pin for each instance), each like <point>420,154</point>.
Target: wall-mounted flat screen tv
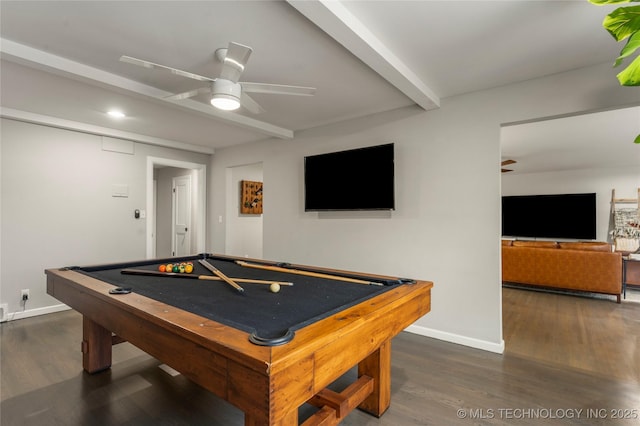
<point>356,179</point>
<point>570,216</point>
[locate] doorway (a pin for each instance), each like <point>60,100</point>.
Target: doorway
<point>181,214</point>
<point>176,206</point>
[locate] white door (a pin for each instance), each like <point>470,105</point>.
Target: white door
<point>181,223</point>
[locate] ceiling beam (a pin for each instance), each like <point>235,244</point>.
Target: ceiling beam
<point>60,123</point>
<point>332,17</point>
<point>45,61</point>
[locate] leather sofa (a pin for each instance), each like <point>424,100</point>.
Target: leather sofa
<point>582,266</point>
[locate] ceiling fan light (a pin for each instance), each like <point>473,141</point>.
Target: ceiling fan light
<point>225,102</point>
<point>226,94</point>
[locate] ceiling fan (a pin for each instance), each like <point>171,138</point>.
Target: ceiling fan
<point>506,163</point>
<point>227,92</point>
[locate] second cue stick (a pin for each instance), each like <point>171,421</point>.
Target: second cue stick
<point>197,277</point>
<point>217,272</point>
<point>301,272</point>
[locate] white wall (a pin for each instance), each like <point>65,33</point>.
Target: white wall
<point>244,231</point>
<point>58,209</point>
<point>446,226</point>
<point>625,181</point>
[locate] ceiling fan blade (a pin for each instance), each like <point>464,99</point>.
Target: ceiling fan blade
<point>252,106</point>
<point>505,170</point>
<point>189,94</point>
<point>507,162</point>
<point>147,64</point>
<point>234,61</point>
<point>278,89</point>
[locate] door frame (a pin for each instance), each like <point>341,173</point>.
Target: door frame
<point>198,190</point>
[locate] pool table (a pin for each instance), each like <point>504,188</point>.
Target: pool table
<point>265,352</point>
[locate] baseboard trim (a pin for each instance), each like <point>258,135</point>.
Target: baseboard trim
<point>458,339</point>
<point>37,312</point>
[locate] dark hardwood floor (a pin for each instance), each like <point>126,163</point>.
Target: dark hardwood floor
<point>568,360</point>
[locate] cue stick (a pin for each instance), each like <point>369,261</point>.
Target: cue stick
<point>217,272</point>
<point>301,272</point>
<point>197,277</point>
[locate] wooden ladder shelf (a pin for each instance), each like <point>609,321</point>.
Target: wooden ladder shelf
<point>631,243</point>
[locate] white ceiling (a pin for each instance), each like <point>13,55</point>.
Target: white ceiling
<point>586,141</point>
<point>60,62</point>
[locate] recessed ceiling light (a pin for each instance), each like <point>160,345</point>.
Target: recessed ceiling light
<point>116,114</point>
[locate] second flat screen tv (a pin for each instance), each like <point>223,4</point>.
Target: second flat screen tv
<point>571,216</point>
<point>356,179</point>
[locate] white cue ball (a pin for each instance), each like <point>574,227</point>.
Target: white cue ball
<point>275,287</point>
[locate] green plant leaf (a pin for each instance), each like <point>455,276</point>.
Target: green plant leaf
<point>632,45</point>
<point>630,76</point>
<point>623,22</point>
<point>602,2</point>
<point>637,140</point>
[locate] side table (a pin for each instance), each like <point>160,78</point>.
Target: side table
<point>630,271</point>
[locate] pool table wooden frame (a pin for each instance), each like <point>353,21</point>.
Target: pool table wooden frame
<point>267,383</point>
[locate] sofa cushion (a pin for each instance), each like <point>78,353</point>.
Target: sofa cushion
<point>542,244</point>
<point>586,245</point>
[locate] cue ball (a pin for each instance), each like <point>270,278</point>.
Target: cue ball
<point>275,287</point>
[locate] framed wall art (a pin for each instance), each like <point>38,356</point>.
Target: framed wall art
<point>250,197</point>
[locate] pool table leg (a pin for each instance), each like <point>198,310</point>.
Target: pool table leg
<point>289,420</point>
<point>377,366</point>
<point>96,346</point>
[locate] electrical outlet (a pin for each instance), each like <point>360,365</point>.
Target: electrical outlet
<point>24,294</point>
